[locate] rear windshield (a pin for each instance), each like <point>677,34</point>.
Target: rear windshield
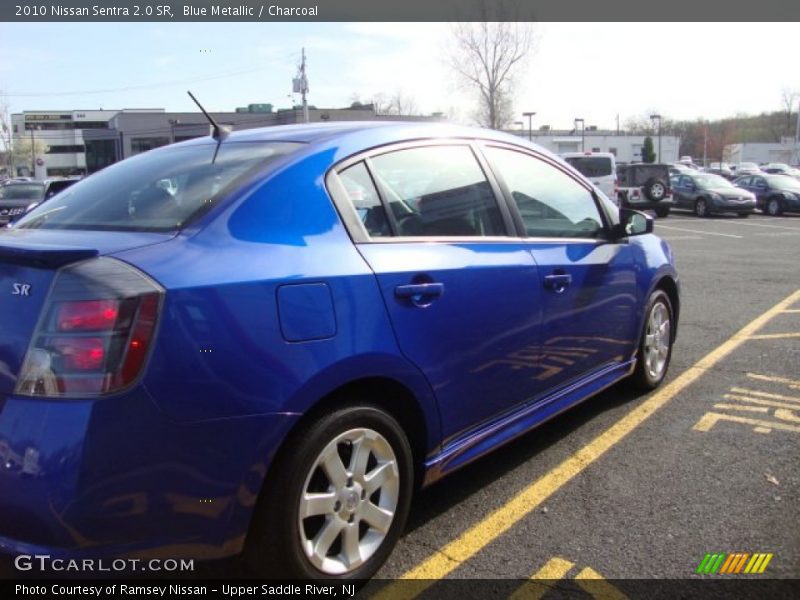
<point>22,191</point>
<point>784,182</point>
<point>155,191</point>
<point>591,166</point>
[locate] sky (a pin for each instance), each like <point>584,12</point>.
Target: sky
<point>594,71</point>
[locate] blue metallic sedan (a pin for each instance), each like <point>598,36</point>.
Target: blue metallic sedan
<point>263,342</point>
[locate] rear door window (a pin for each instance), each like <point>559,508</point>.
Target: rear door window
<point>591,166</point>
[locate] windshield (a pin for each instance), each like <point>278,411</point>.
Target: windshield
<point>32,191</point>
<point>155,191</point>
<point>712,181</point>
<point>784,182</point>
<point>591,166</point>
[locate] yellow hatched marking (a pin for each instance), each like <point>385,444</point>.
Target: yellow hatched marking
<point>708,420</point>
<point>758,409</point>
<point>775,336</point>
<point>596,585</point>
<point>792,383</point>
<point>555,568</point>
<point>761,401</point>
<point>792,311</point>
<point>739,390</point>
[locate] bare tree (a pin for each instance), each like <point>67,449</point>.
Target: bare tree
<point>398,103</point>
<point>789,99</point>
<point>5,136</point>
<point>487,58</point>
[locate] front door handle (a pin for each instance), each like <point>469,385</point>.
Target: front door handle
<point>420,294</point>
<point>558,282</point>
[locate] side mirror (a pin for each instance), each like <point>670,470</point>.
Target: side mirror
<point>632,222</point>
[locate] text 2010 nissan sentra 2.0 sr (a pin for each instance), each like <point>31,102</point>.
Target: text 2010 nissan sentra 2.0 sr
<point>262,342</point>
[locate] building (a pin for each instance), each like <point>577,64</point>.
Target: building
<point>62,133</point>
<point>82,142</point>
<point>786,151</point>
<point>627,147</point>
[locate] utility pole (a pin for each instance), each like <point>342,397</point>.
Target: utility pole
<point>33,155</point>
<point>301,85</point>
<point>705,145</point>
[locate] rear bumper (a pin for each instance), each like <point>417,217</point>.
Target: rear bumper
<point>114,477</point>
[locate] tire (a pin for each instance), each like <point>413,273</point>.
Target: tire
<point>701,208</point>
<point>774,207</point>
<point>655,189</point>
<point>655,343</point>
<point>662,211</point>
<point>351,532</point>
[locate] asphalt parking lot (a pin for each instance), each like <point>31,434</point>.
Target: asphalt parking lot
<point>630,487</point>
<point>627,487</point>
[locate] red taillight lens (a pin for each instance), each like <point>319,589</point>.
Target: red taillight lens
<point>95,332</point>
<point>87,315</point>
<point>81,353</point>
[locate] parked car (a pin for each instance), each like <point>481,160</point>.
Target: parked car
<point>598,167</point>
<point>16,197</point>
<point>273,367</point>
<point>746,168</point>
<point>645,186</point>
<point>721,169</point>
<point>706,194</point>
<point>775,194</point>
<point>678,168</point>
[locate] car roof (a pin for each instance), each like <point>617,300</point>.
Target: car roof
<point>317,132</point>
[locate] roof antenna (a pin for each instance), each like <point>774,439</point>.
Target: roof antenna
<point>220,131</point>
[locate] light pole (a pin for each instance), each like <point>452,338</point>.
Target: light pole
<point>33,155</point>
<point>583,133</point>
<point>530,116</point>
<point>653,118</point>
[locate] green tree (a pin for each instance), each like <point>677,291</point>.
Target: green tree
<point>648,154</point>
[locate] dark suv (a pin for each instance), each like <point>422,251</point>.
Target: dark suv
<point>644,186</point>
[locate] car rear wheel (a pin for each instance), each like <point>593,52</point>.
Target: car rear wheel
<point>655,344</point>
<point>774,208</point>
<point>335,505</point>
<point>701,208</point>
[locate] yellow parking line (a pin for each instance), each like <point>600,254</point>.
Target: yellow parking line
<point>469,543</point>
<point>745,391</point>
<point>596,586</point>
<point>792,311</point>
<point>554,569</point>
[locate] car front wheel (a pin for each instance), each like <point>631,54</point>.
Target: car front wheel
<point>337,501</point>
<point>701,208</point>
<point>655,344</point>
<point>774,208</point>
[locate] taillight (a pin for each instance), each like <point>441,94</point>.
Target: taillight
<point>94,333</point>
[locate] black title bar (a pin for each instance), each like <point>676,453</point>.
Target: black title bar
<point>400,10</point>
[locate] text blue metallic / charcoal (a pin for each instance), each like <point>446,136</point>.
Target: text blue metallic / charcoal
<point>269,308</point>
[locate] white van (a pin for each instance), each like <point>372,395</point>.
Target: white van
<point>598,167</point>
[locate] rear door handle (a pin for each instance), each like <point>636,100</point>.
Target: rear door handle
<point>558,283</point>
<point>420,294</point>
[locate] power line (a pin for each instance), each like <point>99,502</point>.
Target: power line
<point>138,87</point>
